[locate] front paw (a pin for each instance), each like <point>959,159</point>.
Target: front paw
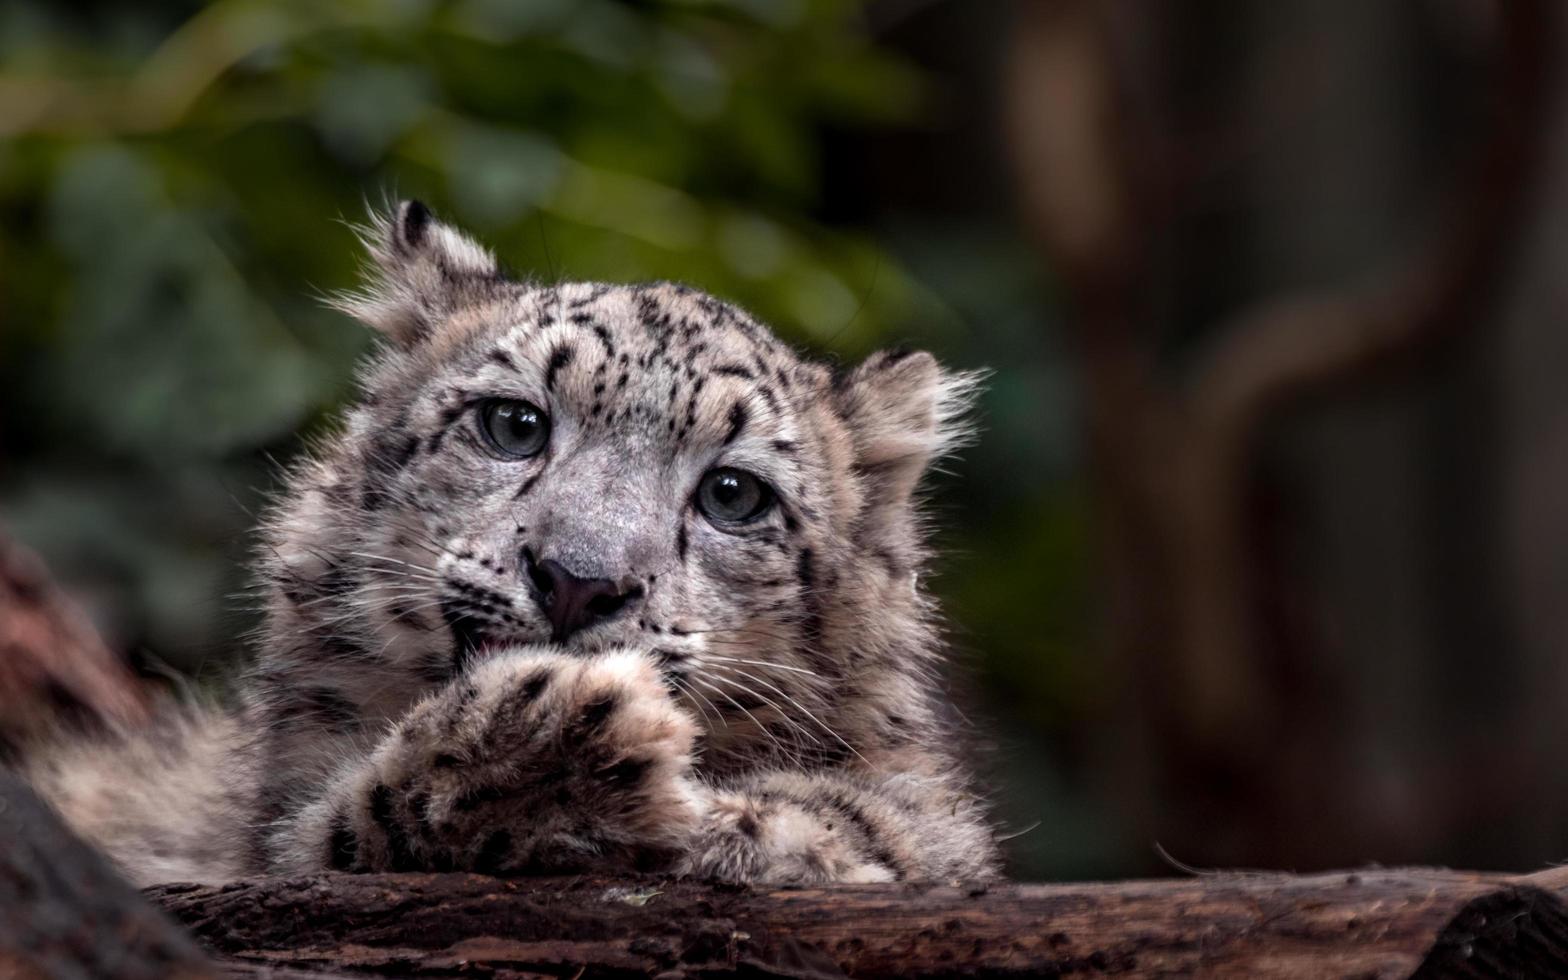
<point>532,761</point>
<point>781,841</point>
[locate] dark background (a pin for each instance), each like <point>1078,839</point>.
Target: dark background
<point>1263,557</point>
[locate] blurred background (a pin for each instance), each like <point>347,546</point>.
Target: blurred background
<point>1263,558</point>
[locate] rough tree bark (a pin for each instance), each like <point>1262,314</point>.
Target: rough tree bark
<point>1367,924</point>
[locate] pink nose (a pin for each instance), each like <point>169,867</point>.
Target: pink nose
<point>574,603</point>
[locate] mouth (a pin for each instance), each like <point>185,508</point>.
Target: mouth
<point>476,635</point>
<point>473,637</point>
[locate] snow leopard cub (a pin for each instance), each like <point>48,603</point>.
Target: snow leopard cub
<point>602,577</point>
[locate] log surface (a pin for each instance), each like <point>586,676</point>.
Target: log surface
<point>1386,923</point>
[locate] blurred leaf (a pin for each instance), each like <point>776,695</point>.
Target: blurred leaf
<point>165,350</point>
<point>363,109</point>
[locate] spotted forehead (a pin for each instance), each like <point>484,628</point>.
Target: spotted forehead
<point>658,331</point>
<point>663,322</point>
<point>661,362</point>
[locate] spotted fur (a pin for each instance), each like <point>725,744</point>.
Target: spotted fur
<point>758,706</point>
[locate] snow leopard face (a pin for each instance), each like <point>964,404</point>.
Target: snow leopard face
<point>589,466</point>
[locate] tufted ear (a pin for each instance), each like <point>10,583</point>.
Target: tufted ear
<point>904,412</point>
<point>421,271</point>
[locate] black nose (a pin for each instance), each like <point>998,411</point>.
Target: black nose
<point>574,603</point>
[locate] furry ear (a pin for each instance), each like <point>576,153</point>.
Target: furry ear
<point>904,411</point>
<point>421,271</point>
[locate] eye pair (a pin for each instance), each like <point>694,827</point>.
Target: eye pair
<point>516,429</point>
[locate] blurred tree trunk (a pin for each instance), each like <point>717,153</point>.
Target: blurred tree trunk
<point>54,668</point>
<point>1242,713</point>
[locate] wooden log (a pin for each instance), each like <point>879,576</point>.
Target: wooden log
<point>1384,923</point>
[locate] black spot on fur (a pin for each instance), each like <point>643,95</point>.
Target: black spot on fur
<point>594,295</point>
<point>772,399</point>
<point>493,853</point>
<point>408,616</point>
<point>509,717</point>
<point>475,798</point>
<point>344,846</point>
<point>876,848</point>
<point>595,712</point>
<point>559,358</point>
<point>889,561</point>
<point>738,418</point>
<point>680,542</point>
<point>333,644</point>
<point>806,575</point>
<point>745,701</point>
<point>664,655</point>
<point>401,857</point>
<point>734,370</point>
<point>335,582</point>
<point>528,485</point>
<point>389,455</point>
<point>464,617</point>
<point>416,221</point>
<point>626,774</point>
<point>436,668</point>
<point>419,806</point>
<point>326,707</point>
<point>394,454</point>
<point>535,685</point>
<point>502,358</point>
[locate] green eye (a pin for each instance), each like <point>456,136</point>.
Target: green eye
<point>731,496</point>
<point>514,429</point>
